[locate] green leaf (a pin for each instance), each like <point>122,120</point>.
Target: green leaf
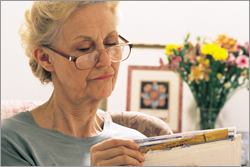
<point>182,52</point>
<point>188,34</point>
<point>175,52</point>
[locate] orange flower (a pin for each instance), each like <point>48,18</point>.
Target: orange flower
<point>200,72</point>
<point>204,66</point>
<point>244,74</point>
<point>205,70</point>
<point>227,43</point>
<point>196,74</point>
<point>231,45</point>
<point>221,39</point>
<point>202,60</point>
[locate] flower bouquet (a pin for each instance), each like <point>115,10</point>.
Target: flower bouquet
<point>213,70</point>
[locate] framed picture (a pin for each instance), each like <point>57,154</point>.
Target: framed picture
<point>155,91</point>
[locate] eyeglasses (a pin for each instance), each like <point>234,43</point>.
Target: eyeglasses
<point>117,53</point>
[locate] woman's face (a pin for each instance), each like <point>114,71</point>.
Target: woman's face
<point>91,28</point>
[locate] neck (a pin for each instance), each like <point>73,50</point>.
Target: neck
<point>74,119</point>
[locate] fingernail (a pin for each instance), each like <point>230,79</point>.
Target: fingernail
<point>143,157</point>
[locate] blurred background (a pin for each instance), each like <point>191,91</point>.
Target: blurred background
<point>148,22</point>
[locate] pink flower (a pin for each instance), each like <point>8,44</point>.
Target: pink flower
<point>180,48</point>
<point>242,61</point>
<point>175,58</point>
<point>175,61</point>
<point>238,48</point>
<point>231,58</point>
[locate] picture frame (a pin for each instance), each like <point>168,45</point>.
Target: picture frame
<point>155,91</point>
<point>146,45</point>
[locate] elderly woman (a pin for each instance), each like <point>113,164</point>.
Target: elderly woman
<point>76,46</point>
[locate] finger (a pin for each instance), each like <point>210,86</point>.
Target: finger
<point>118,151</point>
<point>126,165</point>
<point>111,143</point>
<point>122,160</point>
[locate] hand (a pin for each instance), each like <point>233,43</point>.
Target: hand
<point>116,152</point>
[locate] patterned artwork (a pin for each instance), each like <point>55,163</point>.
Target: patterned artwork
<point>154,95</point>
<point>157,92</point>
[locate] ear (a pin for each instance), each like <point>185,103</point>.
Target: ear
<point>43,58</point>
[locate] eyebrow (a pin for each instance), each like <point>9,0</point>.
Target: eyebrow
<point>89,38</point>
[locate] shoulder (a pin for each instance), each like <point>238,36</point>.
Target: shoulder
<point>14,125</point>
<point>120,131</point>
<point>13,141</point>
<point>19,118</point>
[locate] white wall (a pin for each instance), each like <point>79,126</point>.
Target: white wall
<point>17,80</point>
<point>160,22</point>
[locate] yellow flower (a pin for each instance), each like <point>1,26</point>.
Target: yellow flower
<point>219,75</point>
<point>220,54</point>
<point>225,85</point>
<point>169,48</point>
<point>216,51</point>
<point>209,49</point>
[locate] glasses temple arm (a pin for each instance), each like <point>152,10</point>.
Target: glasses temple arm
<point>126,41</point>
<point>70,58</point>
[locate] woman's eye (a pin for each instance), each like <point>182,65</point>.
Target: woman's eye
<point>84,49</point>
<point>111,44</point>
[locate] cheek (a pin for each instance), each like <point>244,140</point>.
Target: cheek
<point>79,78</point>
<point>116,68</point>
<point>76,83</point>
<point>69,76</point>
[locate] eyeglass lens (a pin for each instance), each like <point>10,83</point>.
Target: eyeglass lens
<point>117,53</point>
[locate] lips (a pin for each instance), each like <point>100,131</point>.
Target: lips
<point>103,77</point>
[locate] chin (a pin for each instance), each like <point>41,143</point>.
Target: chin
<point>105,95</point>
<point>101,91</point>
<point>102,94</point>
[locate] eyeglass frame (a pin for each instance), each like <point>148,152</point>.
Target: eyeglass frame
<point>73,58</point>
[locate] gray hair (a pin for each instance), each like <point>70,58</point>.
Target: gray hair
<point>42,24</point>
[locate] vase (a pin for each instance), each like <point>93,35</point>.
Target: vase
<point>208,117</point>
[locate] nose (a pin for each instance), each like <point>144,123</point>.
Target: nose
<point>104,59</point>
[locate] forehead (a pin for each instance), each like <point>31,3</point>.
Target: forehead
<point>91,21</point>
